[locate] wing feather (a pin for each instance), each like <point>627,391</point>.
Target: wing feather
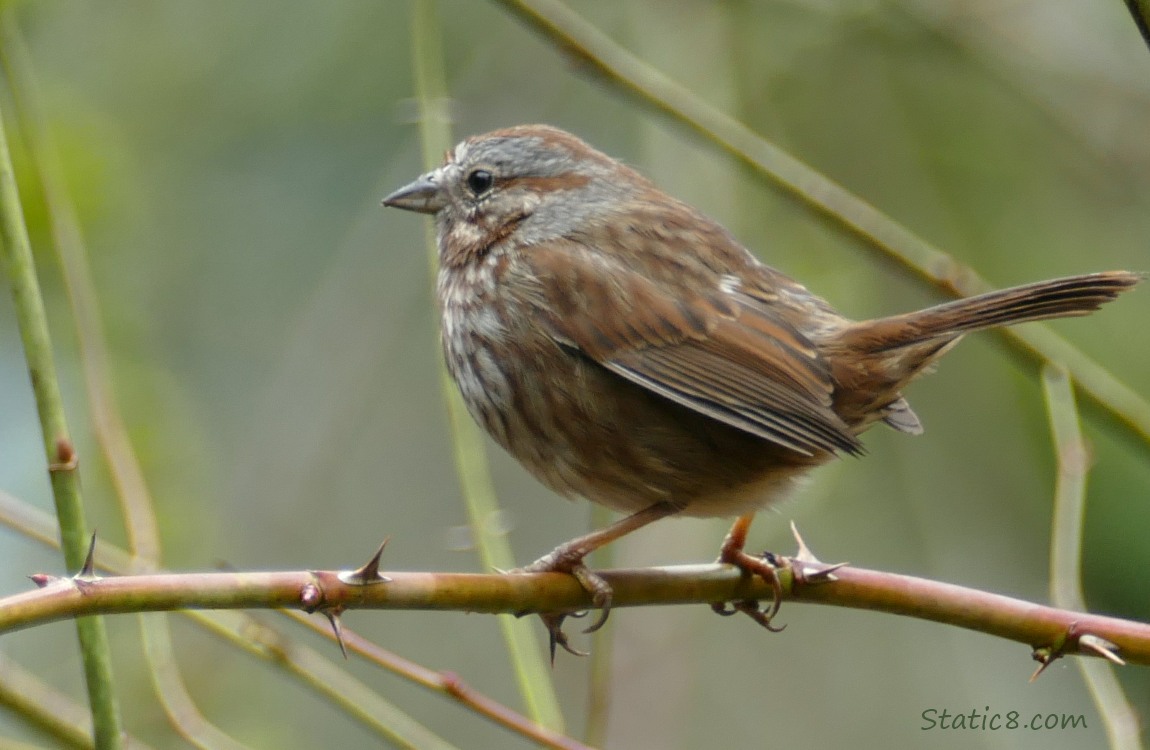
<point>732,357</point>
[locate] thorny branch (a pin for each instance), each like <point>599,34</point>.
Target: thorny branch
<point>1049,631</point>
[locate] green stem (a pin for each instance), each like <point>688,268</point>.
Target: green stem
<point>24,695</point>
<point>1119,717</point>
<point>18,267</point>
<point>527,659</point>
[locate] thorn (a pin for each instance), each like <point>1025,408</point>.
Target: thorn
<point>1045,656</point>
<point>1101,647</point>
<point>87,573</point>
<point>824,574</point>
<point>369,573</point>
<point>42,580</point>
<point>810,568</point>
<point>333,617</point>
<point>804,554</point>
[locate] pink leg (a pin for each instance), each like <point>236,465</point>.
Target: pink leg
<point>568,558</point>
<point>732,552</point>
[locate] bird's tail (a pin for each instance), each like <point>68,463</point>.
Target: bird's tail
<point>1057,298</point>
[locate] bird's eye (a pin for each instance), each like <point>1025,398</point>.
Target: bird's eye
<point>479,181</point>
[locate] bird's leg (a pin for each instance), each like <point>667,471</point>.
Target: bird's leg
<point>568,558</point>
<point>732,552</point>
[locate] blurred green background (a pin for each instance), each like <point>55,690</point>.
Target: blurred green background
<point>275,351</point>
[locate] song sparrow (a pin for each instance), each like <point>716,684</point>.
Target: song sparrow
<point>627,349</point>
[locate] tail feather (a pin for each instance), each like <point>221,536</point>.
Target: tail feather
<point>1057,298</point>
<point>888,353</point>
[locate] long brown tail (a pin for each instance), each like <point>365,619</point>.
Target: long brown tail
<point>1057,298</point>
<point>881,356</point>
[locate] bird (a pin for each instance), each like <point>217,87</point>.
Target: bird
<point>627,349</point>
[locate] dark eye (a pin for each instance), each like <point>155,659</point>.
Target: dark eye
<point>479,181</point>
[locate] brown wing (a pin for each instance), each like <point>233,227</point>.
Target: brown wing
<point>725,355</point>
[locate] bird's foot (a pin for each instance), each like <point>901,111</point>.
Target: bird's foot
<point>765,567</point>
<point>805,569</point>
<point>569,559</point>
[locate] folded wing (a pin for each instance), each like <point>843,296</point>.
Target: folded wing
<point>721,353</point>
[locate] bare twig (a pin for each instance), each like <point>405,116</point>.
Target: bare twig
<point>446,683</point>
<point>236,629</point>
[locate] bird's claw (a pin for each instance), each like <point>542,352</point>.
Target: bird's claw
<point>765,567</point>
<point>751,608</point>
<point>556,636</point>
<point>591,582</point>
<point>600,591</point>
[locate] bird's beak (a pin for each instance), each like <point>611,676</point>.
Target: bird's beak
<point>425,196</point>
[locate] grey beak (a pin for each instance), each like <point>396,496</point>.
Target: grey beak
<point>423,196</point>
